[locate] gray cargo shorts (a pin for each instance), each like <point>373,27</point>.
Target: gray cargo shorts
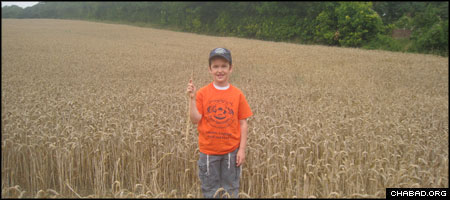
<point>216,171</point>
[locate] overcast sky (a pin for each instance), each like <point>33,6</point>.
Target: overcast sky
<point>22,4</point>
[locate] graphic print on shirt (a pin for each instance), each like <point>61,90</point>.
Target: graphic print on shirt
<point>219,113</point>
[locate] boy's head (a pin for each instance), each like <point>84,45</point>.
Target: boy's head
<point>220,65</point>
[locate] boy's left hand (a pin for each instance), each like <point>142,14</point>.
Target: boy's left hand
<point>240,157</point>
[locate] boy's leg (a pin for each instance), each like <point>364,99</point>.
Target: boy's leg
<point>230,174</point>
<point>209,174</point>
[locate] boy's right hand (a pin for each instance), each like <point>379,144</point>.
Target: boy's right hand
<point>191,89</point>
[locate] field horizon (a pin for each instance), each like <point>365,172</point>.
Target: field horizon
<point>92,109</point>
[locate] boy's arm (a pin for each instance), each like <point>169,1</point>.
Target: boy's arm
<point>240,157</point>
<point>194,114</point>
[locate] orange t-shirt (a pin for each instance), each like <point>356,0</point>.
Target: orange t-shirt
<point>219,128</point>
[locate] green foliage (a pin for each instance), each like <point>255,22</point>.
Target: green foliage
<point>305,30</point>
<point>357,23</point>
<point>388,29</point>
<point>430,33</point>
<point>326,28</point>
<point>349,24</point>
<point>388,43</point>
<point>353,24</point>
<point>425,20</point>
<point>434,40</point>
<point>12,12</point>
<point>224,23</point>
<point>405,22</point>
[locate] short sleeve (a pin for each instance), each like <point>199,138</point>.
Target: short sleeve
<point>244,109</point>
<point>199,102</point>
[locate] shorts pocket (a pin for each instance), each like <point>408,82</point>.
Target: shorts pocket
<point>202,170</point>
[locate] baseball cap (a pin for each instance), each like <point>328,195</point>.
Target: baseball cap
<point>221,52</point>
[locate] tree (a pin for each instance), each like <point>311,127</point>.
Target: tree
<point>12,12</point>
<point>430,32</point>
<point>349,24</point>
<point>326,28</point>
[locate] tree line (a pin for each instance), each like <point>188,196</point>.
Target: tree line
<point>349,24</point>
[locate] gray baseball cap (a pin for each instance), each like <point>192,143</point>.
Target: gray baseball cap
<point>220,52</point>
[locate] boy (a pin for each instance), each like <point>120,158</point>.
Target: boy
<point>221,111</point>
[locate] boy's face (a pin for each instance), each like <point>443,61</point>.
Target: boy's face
<point>220,69</point>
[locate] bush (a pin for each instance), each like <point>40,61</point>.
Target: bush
<point>405,22</point>
<point>434,40</point>
<point>326,28</point>
<point>386,42</point>
<point>12,12</point>
<point>350,24</point>
<point>223,23</point>
<point>357,23</point>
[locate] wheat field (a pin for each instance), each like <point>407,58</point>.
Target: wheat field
<point>99,110</point>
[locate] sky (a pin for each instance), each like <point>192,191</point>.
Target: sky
<point>22,4</point>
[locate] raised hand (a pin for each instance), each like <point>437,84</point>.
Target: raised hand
<point>191,89</point>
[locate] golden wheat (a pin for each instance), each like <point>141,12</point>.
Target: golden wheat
<point>99,110</point>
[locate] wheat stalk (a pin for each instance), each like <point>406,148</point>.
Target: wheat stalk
<point>188,124</point>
